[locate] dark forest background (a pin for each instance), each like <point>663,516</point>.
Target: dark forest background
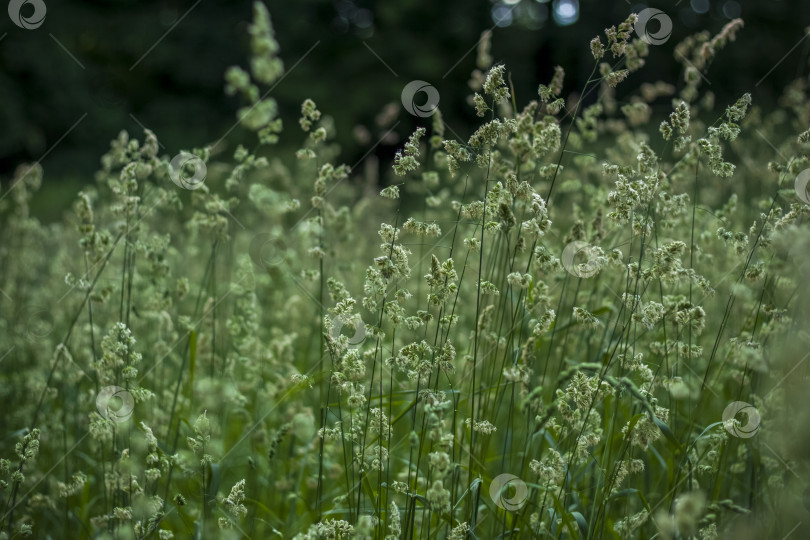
<point>119,64</point>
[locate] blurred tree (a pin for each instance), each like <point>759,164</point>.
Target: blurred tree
<point>96,67</point>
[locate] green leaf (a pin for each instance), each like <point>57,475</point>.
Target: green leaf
<point>370,494</point>
<point>583,525</point>
<point>214,479</point>
<point>192,352</point>
<point>401,415</point>
<point>622,493</point>
<point>667,432</point>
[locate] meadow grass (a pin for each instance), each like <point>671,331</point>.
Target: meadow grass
<point>583,321</point>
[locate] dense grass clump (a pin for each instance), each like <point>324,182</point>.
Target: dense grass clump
<point>582,321</point>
